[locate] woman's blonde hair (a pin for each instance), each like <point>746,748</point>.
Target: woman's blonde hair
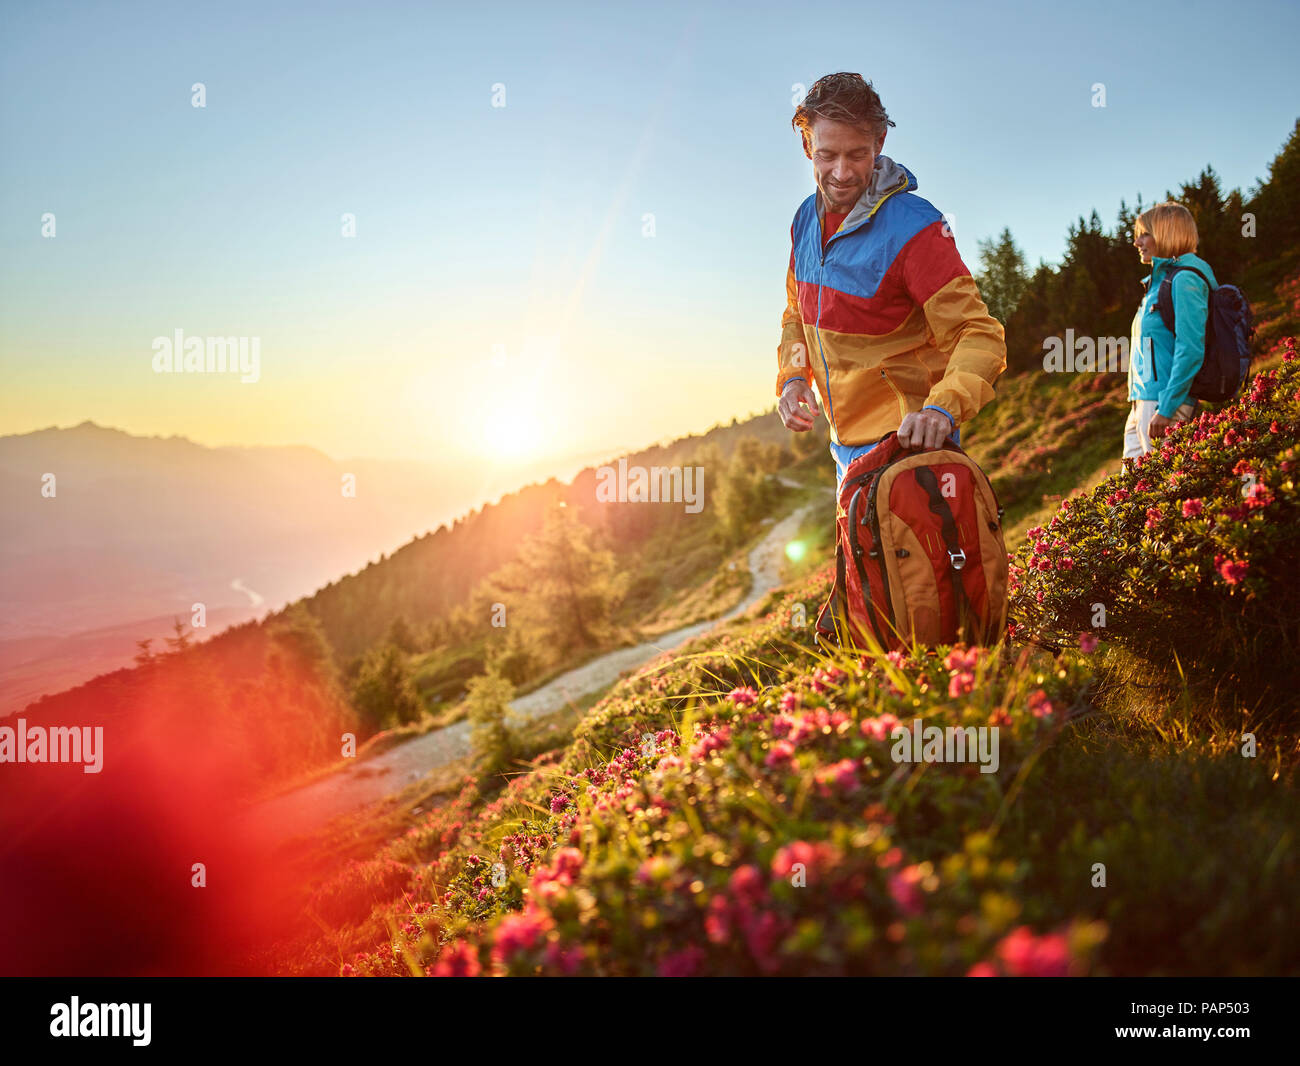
<point>1172,228</point>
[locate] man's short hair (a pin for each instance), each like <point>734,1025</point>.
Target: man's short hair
<point>1172,229</point>
<point>842,97</point>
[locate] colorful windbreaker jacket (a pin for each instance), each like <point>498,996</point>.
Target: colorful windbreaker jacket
<point>887,320</point>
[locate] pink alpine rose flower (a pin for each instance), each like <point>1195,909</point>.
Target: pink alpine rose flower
<point>566,958</point>
<point>519,932</point>
<point>905,889</point>
<point>458,959</point>
<point>961,660</point>
<point>1026,955</point>
<point>746,883</point>
<point>684,963</point>
<point>838,777</point>
<point>961,684</point>
<point>1232,571</point>
<point>1039,705</point>
<point>878,728</point>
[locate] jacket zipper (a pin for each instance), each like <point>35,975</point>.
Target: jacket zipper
<point>830,403</point>
<point>1155,376</point>
<point>902,407</point>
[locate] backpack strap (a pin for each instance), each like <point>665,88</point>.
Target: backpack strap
<point>956,556</point>
<point>832,620</point>
<point>1165,296</point>
<point>856,544</point>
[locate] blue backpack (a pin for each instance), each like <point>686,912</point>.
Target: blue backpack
<point>1228,330</point>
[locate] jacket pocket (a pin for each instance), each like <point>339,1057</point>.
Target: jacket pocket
<point>1143,360</point>
<point>898,395</point>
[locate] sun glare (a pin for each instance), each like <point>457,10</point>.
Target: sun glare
<point>518,415</point>
<point>514,430</point>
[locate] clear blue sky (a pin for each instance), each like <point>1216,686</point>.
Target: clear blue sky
<point>522,226</point>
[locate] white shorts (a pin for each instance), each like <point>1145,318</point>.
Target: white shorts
<point>1136,439</point>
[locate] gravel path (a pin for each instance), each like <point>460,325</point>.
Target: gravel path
<point>369,781</point>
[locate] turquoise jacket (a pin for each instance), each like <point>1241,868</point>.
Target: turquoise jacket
<point>1161,366</point>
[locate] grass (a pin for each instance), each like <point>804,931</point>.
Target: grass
<point>1137,781</point>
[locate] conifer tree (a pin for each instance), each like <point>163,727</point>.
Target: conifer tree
<point>1001,277</point>
<point>488,708</point>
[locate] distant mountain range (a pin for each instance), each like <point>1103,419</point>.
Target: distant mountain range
<point>139,529</point>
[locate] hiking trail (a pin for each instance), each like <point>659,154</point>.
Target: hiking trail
<point>370,780</point>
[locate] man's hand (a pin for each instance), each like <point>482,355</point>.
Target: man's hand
<point>1159,426</point>
<point>924,430</point>
<point>796,396</point>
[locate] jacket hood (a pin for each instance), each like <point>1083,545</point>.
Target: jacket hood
<point>887,178</point>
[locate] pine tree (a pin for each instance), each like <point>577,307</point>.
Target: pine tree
<point>740,497</point>
<point>487,708</point>
<point>1001,277</point>
<point>1218,223</point>
<point>181,641</point>
<point>302,635</point>
<point>401,635</point>
<point>517,659</point>
<point>562,584</point>
<point>1275,203</point>
<point>804,444</point>
<point>384,693</point>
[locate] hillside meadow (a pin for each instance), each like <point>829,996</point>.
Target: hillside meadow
<point>742,807</point>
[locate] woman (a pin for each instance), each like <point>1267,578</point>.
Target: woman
<point>1161,365</point>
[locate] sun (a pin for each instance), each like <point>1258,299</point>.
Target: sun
<point>514,430</point>
<point>521,400</point>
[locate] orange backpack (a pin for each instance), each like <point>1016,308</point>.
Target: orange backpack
<point>920,554</point>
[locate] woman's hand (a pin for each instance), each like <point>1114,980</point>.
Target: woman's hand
<point>1160,425</point>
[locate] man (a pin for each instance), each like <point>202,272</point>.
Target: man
<point>882,314</point>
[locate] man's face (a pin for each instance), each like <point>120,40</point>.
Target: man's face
<point>843,158</point>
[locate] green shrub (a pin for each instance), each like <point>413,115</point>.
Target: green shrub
<point>1191,554</point>
<point>487,708</point>
<point>383,693</point>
